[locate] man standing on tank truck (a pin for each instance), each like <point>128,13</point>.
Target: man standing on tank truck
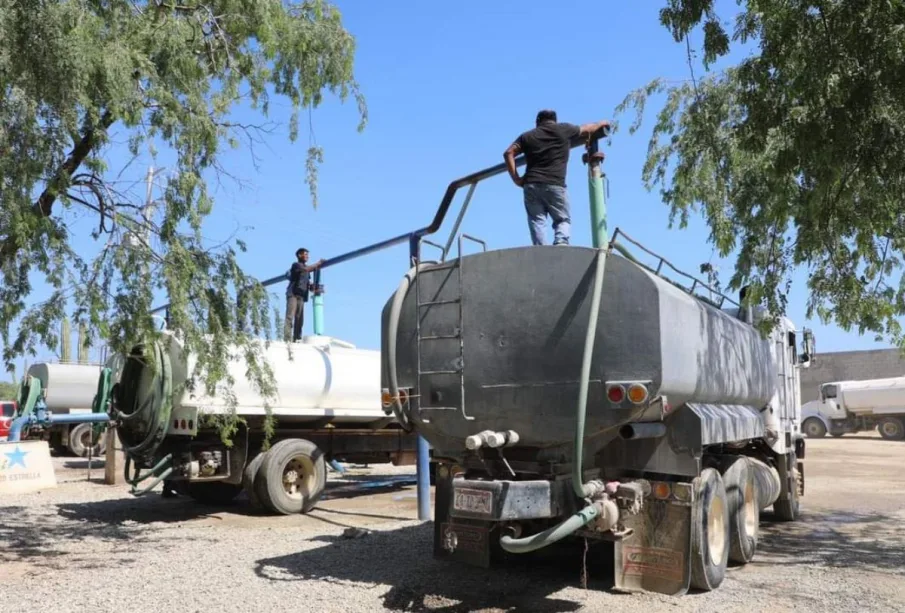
<point>546,150</point>
<point>297,293</point>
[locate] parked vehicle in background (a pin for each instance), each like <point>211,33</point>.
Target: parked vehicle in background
<point>855,406</point>
<point>69,388</point>
<point>8,409</point>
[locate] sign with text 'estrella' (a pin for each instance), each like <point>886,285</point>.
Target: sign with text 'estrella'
<point>25,466</point>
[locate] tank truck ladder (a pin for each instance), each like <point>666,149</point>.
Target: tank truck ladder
<point>459,362</point>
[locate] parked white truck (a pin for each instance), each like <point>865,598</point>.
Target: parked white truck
<point>69,388</point>
<point>855,406</point>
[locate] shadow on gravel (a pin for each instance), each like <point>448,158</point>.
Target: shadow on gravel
<point>153,507</point>
<point>49,544</point>
<point>877,439</point>
<point>402,558</point>
<point>837,540</point>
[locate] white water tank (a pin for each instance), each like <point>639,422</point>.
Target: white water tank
<point>873,394</point>
<point>67,386</point>
<point>324,377</point>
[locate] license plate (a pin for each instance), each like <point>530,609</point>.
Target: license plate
<point>473,501</point>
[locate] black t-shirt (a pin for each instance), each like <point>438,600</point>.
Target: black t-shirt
<point>546,150</point>
<point>298,281</point>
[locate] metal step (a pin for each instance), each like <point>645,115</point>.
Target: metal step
<point>441,337</point>
<point>436,302</point>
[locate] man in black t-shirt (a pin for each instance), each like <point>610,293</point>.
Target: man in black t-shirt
<point>546,150</point>
<point>297,294</point>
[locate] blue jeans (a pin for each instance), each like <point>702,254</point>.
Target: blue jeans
<point>541,200</point>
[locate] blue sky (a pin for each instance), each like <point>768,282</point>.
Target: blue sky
<point>448,89</point>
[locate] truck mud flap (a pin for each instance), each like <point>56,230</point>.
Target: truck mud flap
<point>655,557</point>
<point>459,539</point>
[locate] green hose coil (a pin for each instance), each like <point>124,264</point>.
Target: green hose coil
<point>143,401</point>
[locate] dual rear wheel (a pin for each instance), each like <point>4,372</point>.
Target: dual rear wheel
<point>725,523</point>
<point>288,478</point>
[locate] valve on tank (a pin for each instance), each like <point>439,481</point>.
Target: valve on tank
<point>207,464</point>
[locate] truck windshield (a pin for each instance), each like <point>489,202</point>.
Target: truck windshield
<point>7,409</point>
<point>829,391</point>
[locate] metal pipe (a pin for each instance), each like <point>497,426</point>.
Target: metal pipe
<point>15,429</point>
<point>631,432</point>
<point>599,235</point>
<point>78,418</point>
<point>455,228</point>
<point>318,304</point>
<point>423,473</point>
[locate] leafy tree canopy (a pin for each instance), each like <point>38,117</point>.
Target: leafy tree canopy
<point>795,156</point>
<point>8,390</point>
<point>167,72</point>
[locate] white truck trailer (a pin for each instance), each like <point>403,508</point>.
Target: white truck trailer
<point>855,406</point>
<point>69,388</point>
<point>328,406</point>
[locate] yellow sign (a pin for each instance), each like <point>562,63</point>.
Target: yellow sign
<point>25,467</point>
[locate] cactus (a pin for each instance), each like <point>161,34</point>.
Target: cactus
<point>83,343</point>
<point>65,341</point>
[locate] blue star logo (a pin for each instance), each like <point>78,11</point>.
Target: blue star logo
<point>17,457</point>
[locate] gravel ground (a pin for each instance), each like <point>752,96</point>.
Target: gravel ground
<point>88,547</point>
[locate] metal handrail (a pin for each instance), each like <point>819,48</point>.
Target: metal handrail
<point>663,260</point>
<point>414,235</point>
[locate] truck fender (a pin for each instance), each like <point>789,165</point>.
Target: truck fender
<point>807,413</point>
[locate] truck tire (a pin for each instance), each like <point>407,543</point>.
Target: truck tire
<point>80,438</point>
<point>709,532</point>
<point>215,493</point>
<point>813,428</point>
<point>249,478</point>
<point>744,511</point>
<point>789,509</point>
<point>891,428</point>
<point>292,477</point>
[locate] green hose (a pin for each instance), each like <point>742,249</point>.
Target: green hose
<point>28,394</point>
<point>151,406</point>
<point>590,336</point>
<point>392,333</point>
<point>587,514</point>
<point>550,535</point>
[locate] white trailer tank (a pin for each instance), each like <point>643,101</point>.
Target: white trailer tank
<point>67,386</point>
<point>316,378</point>
<point>872,396</point>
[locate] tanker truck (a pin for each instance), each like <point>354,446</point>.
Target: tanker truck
<point>69,389</point>
<point>327,407</point>
<point>855,406</point>
<point>576,392</point>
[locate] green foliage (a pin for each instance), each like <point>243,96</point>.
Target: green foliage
<point>795,156</point>
<point>162,72</point>
<point>8,391</point>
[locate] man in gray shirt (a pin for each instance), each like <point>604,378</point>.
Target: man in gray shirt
<point>546,150</point>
